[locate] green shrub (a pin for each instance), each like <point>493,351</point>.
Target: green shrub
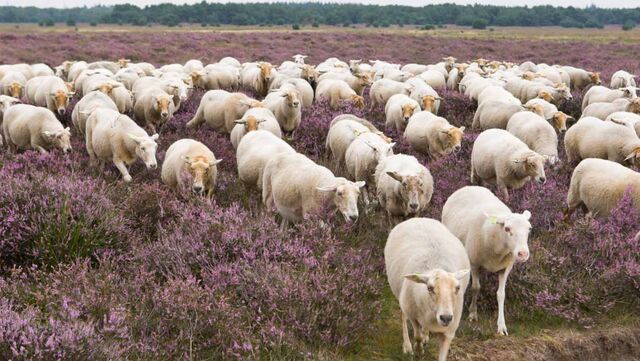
<point>295,27</point>
<point>479,24</point>
<point>628,25</point>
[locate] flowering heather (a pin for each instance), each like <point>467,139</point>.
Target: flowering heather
<point>92,268</point>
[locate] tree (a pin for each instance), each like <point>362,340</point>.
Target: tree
<point>479,23</point>
<point>628,25</point>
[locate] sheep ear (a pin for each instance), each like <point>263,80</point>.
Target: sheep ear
<point>418,278</point>
<point>47,134</point>
<point>461,274</point>
<point>239,121</point>
<point>330,188</point>
<point>155,137</point>
<point>134,138</point>
<point>494,219</point>
<point>526,214</point>
<point>391,145</point>
<point>360,184</point>
<point>635,153</point>
<point>395,176</point>
<point>445,131</point>
<point>462,128</point>
<point>261,121</point>
<point>215,162</point>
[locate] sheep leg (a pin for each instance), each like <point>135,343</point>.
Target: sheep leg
<point>406,342</point>
<point>472,177</point>
<point>123,169</point>
<point>502,282</point>
<point>502,188</point>
<point>417,337</point>
<point>445,343</point>
<point>475,290</point>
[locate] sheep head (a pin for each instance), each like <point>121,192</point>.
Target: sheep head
<point>199,167</point>
<point>442,290</point>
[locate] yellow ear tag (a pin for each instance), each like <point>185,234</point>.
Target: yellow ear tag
<point>493,220</point>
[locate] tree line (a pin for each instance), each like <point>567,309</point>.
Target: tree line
<point>214,14</point>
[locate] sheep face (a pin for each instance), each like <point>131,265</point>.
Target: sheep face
<point>634,106</point>
<point>407,111</point>
<point>532,165</point>
<point>199,168</point>
<point>251,123</point>
<point>310,74</point>
<point>292,99</point>
<point>381,151</point>
<point>15,90</point>
<point>364,79</point>
<point>412,192</point>
<point>543,94</point>
<point>563,91</point>
<point>442,289</point>
<point>6,102</point>
<point>629,92</point>
<point>299,58</point>
<point>429,103</point>
<point>357,100</point>
<point>345,197</point>
<point>59,139</point>
<point>451,139</point>
<point>536,108</point>
<point>106,88</point>
<point>162,106</point>
<point>197,79</point>
<point>514,231</point>
<point>61,100</point>
<point>265,71</point>
<point>146,150</point>
<point>560,121</point>
<point>595,78</point>
<point>123,63</point>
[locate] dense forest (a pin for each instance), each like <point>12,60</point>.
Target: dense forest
<point>212,14</point>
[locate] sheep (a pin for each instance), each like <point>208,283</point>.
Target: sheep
<point>356,66</point>
<point>557,94</point>
<point>220,109</point>
<point>116,137</point>
<point>425,95</point>
<point>392,73</point>
<point>337,90</point>
<point>630,120</point>
<point>29,127</point>
<point>398,110</point>
<point>255,149</point>
<point>154,108</point>
<point>285,105</point>
<point>13,84</point>
<point>432,135</point>
<point>362,157</point>
<point>598,185</point>
<point>296,186</point>
<point>498,157</point>
<point>215,76</point>
<point>551,113</point>
<point>529,66</point>
<point>536,133</point>
<point>90,102</point>
<point>601,94</point>
<point>85,77</point>
<point>171,85</point>
<point>415,69</point>
<point>343,129</point>
<point>253,119</point>
<point>299,58</point>
<point>493,236</point>
<point>382,90</point>
<point>41,69</point>
<point>23,68</point>
<point>192,157</point>
<point>127,77</point>
<point>111,66</point>
<point>581,78</point>
<point>62,70</point>
<point>603,110</point>
<point>455,76</point>
<point>404,186</point>
<point>75,70</point>
<point>434,79</point>
<point>304,89</point>
<point>5,103</point>
<point>192,65</point>
<point>50,92</point>
<point>593,138</point>
<point>357,81</point>
<point>428,272</point>
<point>494,114</point>
<point>257,77</point>
<point>622,79</point>
<point>231,61</point>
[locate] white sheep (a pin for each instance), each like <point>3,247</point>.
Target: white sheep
<point>494,237</point>
<point>13,84</point>
<point>154,109</point>
<point>90,102</point>
<point>536,133</point>
<point>601,94</point>
<point>494,93</point>
<point>219,109</point>
<point>434,78</point>
<point>593,138</point>
<point>362,157</point>
<point>296,186</point>
<point>494,114</point>
<point>428,272</point>
<point>285,105</point>
<point>432,135</point>
<point>231,61</point>
<point>357,81</point>
<point>581,78</point>
<point>498,157</point>
<point>551,113</point>
<point>216,76</point>
<point>192,65</point>
<point>336,90</point>
<point>304,90</point>
<point>343,129</point>
<point>598,185</point>
<point>257,76</point>
<point>194,158</point>
<point>116,137</point>
<point>603,110</point>
<point>404,186</point>
<point>253,119</point>
<point>398,110</point>
<point>29,127</point>
<point>255,149</point>
<point>629,120</point>
<point>382,90</point>
<point>621,79</point>
<point>50,92</point>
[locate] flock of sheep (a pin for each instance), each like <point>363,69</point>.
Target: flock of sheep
<point>429,263</point>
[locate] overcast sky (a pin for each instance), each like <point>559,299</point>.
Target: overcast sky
<point>577,3</point>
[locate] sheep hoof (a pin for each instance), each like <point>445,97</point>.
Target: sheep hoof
<point>502,331</point>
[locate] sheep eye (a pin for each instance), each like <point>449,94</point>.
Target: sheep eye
<point>507,229</point>
<point>142,149</point>
<point>457,289</point>
<point>339,194</point>
<point>431,289</point>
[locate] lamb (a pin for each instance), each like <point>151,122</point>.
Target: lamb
<point>630,120</point>
<point>493,236</point>
<point>428,272</point>
<point>382,90</point>
<point>257,77</point>
<point>114,136</point>
<point>551,113</point>
<point>536,133</point>
<point>253,119</point>
<point>155,108</point>
<point>29,127</point>
<point>50,92</point>
<point>296,186</point>
<point>90,102</point>
<point>404,186</point>
<point>601,94</point>
<point>192,157</point>
<point>337,90</point>
<point>357,81</point>
<point>622,79</point>
<point>255,149</point>
<point>12,84</point>
<point>432,135</point>
<point>398,110</point>
<point>593,138</point>
<point>285,105</point>
<point>603,110</point>
<point>219,109</point>
<point>343,130</point>
<point>581,78</point>
<point>362,157</point>
<point>498,157</point>
<point>598,186</point>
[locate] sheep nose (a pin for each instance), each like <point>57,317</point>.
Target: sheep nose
<point>353,218</point>
<point>446,319</point>
<point>164,114</point>
<point>413,206</point>
<point>542,180</point>
<point>153,165</point>
<point>406,119</point>
<point>456,148</point>
<point>562,131</point>
<point>62,111</point>
<point>523,256</point>
<point>197,189</point>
